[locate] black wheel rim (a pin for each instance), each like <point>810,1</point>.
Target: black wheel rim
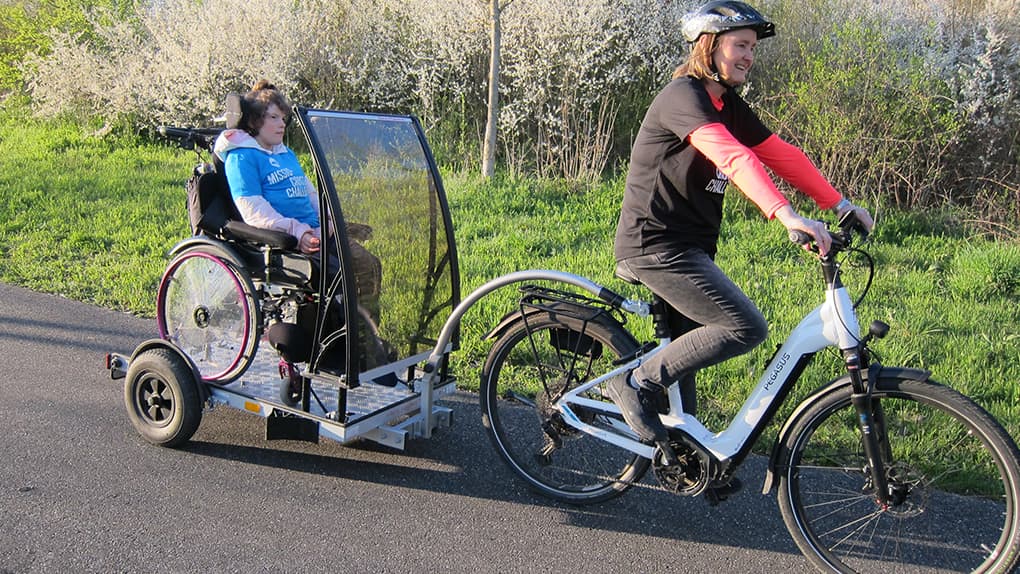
<point>155,400</point>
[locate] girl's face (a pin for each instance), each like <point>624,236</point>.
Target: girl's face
<point>734,55</point>
<point>274,124</point>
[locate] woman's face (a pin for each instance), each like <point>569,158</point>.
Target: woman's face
<point>274,124</point>
<point>734,55</point>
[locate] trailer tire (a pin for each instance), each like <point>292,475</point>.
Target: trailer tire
<point>162,397</point>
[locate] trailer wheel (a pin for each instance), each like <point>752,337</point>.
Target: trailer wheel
<point>162,397</point>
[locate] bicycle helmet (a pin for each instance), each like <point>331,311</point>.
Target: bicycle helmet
<point>723,16</point>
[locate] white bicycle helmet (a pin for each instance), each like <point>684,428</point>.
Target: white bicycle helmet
<point>724,16</point>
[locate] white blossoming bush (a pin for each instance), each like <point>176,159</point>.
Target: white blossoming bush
<point>916,103</point>
<point>568,64</point>
<point>174,62</point>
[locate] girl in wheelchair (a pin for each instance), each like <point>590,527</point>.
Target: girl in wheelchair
<point>266,181</point>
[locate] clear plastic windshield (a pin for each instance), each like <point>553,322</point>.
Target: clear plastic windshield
<point>399,242</point>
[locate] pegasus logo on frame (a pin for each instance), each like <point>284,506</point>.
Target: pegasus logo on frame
<point>774,375</point>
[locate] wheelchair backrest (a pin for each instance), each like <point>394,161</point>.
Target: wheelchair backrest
<point>212,211</point>
<point>210,205</point>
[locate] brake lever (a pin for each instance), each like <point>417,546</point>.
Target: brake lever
<point>850,222</point>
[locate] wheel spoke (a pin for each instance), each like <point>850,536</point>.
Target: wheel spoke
<point>522,399</point>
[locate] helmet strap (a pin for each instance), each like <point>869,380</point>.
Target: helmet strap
<point>711,58</point>
<point>718,78</point>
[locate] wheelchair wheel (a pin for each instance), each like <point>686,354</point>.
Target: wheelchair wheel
<point>207,307</point>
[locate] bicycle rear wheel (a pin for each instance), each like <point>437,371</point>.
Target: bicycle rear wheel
<point>528,369</point>
<point>953,475</point>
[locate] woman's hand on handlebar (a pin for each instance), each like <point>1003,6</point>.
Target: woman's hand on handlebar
<point>796,223</point>
<point>862,215</point>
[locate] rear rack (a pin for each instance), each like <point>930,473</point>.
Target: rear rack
<point>567,303</point>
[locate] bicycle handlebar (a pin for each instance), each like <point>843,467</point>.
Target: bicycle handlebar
<point>840,240</point>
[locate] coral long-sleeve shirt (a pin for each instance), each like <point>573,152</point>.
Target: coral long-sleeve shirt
<point>689,147</point>
<point>746,168</point>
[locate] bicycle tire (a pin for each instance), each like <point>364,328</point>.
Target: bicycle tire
<point>953,469</point>
<point>207,307</point>
<point>515,405</point>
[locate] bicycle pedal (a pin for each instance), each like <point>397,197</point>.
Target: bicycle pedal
<point>713,498</point>
<point>722,493</point>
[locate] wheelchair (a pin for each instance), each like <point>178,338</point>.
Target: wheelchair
<point>324,344</point>
<point>230,282</point>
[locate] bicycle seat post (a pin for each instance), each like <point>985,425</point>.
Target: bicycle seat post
<point>660,318</point>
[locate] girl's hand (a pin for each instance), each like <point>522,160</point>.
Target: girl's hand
<point>309,242</point>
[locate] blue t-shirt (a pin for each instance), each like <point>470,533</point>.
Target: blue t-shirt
<point>276,177</point>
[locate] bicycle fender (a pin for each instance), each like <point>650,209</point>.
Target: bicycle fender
<point>505,323</point>
<point>873,373</point>
<point>149,344</point>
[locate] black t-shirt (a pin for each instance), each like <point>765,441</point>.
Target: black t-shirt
<point>674,195</point>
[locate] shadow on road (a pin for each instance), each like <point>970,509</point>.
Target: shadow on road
<point>460,461</point>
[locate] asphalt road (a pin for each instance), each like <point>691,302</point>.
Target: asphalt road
<point>80,491</point>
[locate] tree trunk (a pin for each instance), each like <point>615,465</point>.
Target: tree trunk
<point>489,145</point>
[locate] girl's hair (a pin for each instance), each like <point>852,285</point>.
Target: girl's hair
<point>699,61</point>
<point>255,103</point>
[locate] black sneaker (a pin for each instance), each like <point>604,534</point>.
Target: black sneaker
<point>639,408</point>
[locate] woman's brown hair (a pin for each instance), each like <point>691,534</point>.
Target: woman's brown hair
<point>699,61</point>
<point>255,103</point>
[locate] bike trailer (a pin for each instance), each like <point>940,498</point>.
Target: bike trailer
<point>328,345</point>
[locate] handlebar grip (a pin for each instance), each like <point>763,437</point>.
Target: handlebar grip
<point>172,132</point>
<point>800,238</point>
<point>189,138</point>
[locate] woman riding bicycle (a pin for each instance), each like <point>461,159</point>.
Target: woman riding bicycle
<point>697,136</point>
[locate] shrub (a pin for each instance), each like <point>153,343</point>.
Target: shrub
<point>912,104</point>
<point>25,24</point>
<point>916,105</point>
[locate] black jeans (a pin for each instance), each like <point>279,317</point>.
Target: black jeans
<point>723,322</point>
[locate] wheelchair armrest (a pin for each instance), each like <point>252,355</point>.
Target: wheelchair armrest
<point>269,237</point>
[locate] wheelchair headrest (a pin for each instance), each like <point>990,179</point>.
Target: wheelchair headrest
<point>233,112</point>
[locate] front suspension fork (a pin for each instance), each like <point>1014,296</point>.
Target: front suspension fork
<point>871,422</point>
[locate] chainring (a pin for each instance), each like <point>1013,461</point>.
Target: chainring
<point>689,477</point>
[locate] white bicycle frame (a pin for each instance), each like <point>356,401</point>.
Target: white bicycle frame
<point>833,323</point>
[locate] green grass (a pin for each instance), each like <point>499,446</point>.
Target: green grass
<point>92,218</point>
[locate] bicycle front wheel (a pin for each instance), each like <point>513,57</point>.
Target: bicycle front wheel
<point>528,369</point>
<point>953,476</point>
